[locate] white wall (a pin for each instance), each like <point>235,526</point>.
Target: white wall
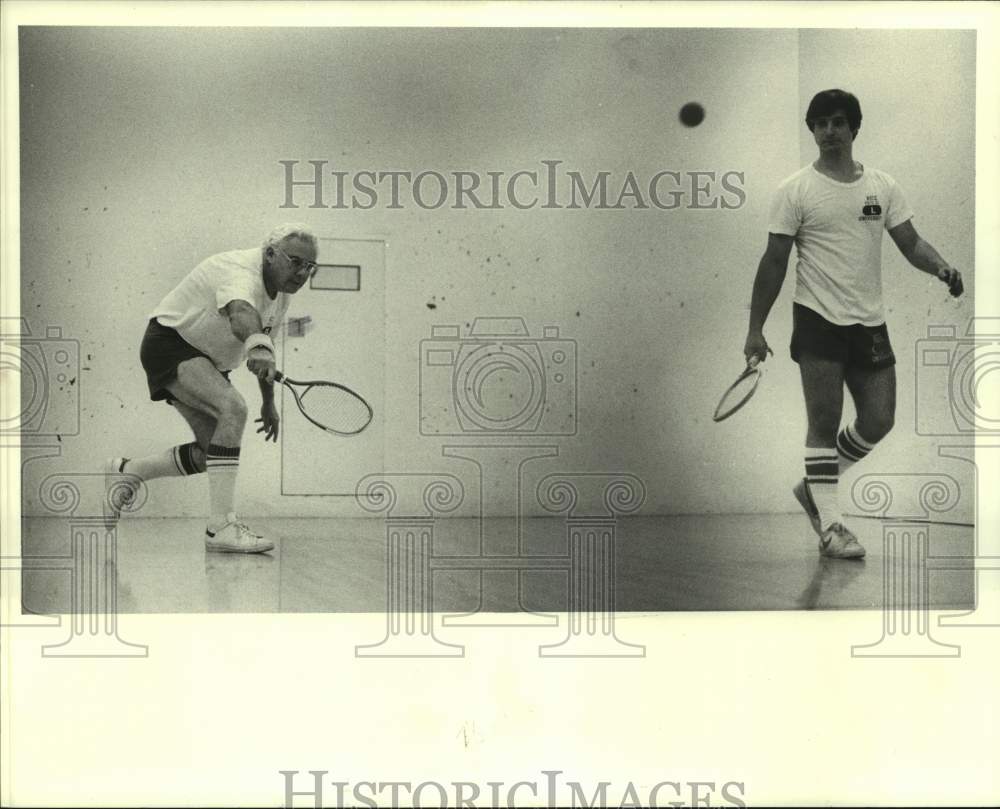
<point>145,150</point>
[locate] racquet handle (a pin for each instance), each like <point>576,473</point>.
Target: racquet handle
<point>756,359</point>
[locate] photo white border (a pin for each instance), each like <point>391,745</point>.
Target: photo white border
<point>774,700</point>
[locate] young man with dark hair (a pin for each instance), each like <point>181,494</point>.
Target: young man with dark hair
<point>834,211</point>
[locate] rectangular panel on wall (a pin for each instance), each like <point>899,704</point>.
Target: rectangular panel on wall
<point>336,331</point>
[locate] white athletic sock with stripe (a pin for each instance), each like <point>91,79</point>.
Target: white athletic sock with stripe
<point>851,447</point>
<point>223,465</point>
<point>171,463</point>
<point>822,475</point>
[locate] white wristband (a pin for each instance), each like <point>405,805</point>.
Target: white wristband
<point>258,341</point>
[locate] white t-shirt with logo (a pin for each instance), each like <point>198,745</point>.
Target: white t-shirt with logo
<point>192,307</point>
<point>838,235</point>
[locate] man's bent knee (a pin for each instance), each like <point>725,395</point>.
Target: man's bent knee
<point>874,428</point>
<point>232,409</point>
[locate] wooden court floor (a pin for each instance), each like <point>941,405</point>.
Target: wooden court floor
<point>672,563</point>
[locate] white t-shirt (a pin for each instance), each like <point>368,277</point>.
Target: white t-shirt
<point>192,308</point>
<point>838,234</point>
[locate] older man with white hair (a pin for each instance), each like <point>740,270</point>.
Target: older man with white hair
<point>222,311</point>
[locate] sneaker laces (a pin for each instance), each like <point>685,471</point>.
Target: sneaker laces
<point>246,533</point>
<point>845,534</point>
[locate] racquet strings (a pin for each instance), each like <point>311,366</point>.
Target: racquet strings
<point>737,395</point>
<point>335,408</point>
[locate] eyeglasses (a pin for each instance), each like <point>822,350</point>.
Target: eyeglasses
<point>298,263</point>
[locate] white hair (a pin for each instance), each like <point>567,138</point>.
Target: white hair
<point>288,230</point>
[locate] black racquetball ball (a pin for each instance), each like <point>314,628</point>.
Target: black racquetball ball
<point>692,114</point>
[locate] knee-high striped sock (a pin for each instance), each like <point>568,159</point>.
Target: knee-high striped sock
<point>822,475</point>
<point>851,447</point>
<point>223,465</point>
<point>171,463</point>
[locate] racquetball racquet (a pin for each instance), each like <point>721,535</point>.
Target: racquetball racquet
<point>740,392</point>
<point>330,406</point>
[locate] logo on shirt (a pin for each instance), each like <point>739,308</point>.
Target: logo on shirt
<point>871,211</point>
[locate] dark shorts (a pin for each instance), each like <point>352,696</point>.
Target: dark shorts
<point>856,346</point>
<point>162,350</point>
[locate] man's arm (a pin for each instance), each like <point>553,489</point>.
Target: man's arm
<point>245,322</point>
<point>266,390</point>
<point>269,418</point>
<point>766,286</point>
<point>924,257</point>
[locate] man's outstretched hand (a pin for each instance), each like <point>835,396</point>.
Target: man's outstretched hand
<point>953,278</point>
<point>268,422</point>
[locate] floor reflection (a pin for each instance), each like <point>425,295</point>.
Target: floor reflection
<point>685,563</point>
<point>830,579</point>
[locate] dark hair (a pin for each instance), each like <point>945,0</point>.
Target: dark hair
<point>828,102</point>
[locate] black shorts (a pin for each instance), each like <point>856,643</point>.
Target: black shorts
<point>856,346</point>
<point>162,350</point>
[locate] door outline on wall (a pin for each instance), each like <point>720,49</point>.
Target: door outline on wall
<point>315,322</point>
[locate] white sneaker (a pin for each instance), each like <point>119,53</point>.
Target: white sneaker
<point>119,491</point>
<point>235,537</point>
<point>839,543</point>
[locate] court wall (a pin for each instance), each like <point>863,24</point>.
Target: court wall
<point>145,150</point>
